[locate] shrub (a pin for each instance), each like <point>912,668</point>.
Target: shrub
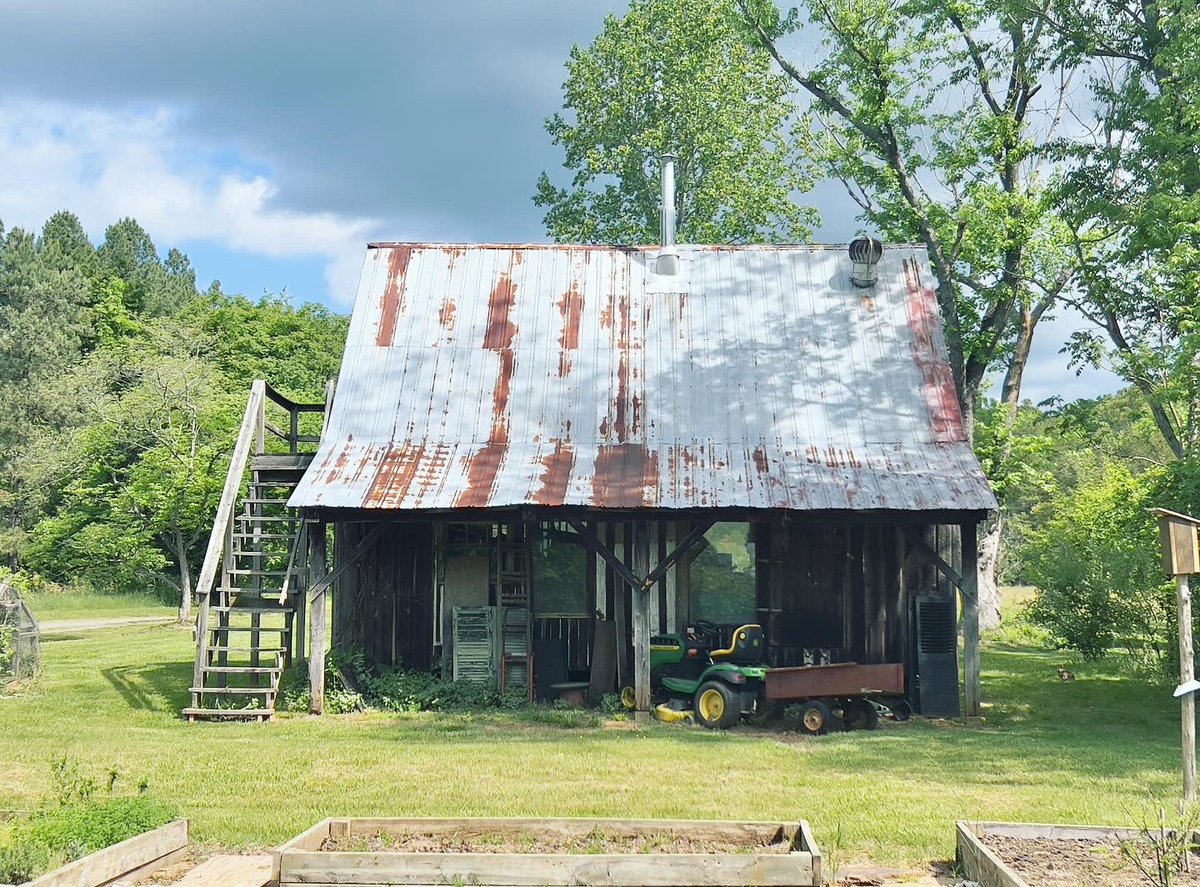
<point>79,829</point>
<point>73,822</point>
<point>22,862</point>
<point>1096,564</point>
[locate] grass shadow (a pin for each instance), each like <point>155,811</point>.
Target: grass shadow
<point>157,687</point>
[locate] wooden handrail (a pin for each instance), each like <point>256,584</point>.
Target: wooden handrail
<point>215,554</point>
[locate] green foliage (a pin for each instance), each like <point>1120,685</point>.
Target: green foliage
<point>84,828</point>
<point>84,814</point>
<point>22,862</point>
<point>124,389</point>
<point>934,115</point>
<point>1096,564</point>
<point>675,77</point>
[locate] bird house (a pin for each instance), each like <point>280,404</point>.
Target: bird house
<point>1180,547</point>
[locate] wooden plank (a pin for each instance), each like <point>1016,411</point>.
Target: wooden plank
<point>807,841</point>
<point>319,639</point>
<point>641,618</point>
<point>230,871</point>
<point>707,830</point>
<point>980,863</point>
<point>310,839</point>
<point>1187,666</point>
<point>970,620</point>
<point>550,870</point>
<point>119,860</point>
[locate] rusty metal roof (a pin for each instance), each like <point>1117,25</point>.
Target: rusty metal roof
<point>487,376</point>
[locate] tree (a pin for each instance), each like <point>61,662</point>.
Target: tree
<point>675,76</point>
<point>1133,198</point>
<point>936,116</point>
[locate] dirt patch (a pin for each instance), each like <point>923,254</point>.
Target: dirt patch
<point>593,842</point>
<point>1069,862</point>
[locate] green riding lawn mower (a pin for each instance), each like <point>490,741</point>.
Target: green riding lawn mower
<point>718,673</point>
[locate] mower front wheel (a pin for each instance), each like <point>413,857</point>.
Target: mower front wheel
<point>717,706</point>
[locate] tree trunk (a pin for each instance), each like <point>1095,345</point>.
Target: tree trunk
<point>185,579</point>
<point>989,561</point>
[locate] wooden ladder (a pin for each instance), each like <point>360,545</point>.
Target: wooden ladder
<point>250,619</point>
<point>513,617</point>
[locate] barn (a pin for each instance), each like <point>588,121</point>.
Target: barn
<point>540,454</point>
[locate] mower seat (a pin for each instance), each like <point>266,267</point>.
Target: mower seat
<point>747,646</point>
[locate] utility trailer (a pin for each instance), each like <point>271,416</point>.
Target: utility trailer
<point>842,695</point>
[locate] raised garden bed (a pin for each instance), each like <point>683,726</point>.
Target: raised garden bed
<point>519,852</point>
<point>134,858</point>
<point>1003,854</point>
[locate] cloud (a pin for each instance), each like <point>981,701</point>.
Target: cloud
<point>104,164</point>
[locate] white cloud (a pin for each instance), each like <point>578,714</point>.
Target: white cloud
<point>104,164</point>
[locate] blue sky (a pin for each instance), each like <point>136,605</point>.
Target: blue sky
<point>270,140</point>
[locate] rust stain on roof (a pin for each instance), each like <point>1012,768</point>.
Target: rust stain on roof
<point>484,466</point>
<point>395,475</point>
<point>556,474</point>
<point>446,314</point>
<point>570,306</point>
<point>937,382</point>
<point>761,463</point>
<point>625,476</point>
<point>500,329</point>
<point>391,305</point>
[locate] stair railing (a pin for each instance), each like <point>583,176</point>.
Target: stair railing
<point>219,554</point>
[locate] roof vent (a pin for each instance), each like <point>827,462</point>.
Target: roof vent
<point>865,253</point>
<point>668,256</point>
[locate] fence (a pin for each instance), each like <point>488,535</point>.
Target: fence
<point>20,640</point>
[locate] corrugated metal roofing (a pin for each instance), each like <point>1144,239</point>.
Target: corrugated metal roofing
<point>487,376</point>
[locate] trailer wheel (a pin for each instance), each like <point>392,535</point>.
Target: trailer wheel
<point>816,718</point>
<point>861,714</point>
<point>717,706</point>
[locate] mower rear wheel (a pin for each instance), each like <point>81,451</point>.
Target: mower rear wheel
<point>861,714</point>
<point>815,717</point>
<point>717,706</point>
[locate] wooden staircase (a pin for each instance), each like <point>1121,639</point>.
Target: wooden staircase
<point>250,618</point>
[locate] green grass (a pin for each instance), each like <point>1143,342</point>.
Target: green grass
<point>1087,751</point>
<point>72,604</point>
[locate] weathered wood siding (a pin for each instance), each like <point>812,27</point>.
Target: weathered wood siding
<point>384,604</point>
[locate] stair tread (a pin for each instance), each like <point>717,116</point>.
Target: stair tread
<point>222,649</point>
<point>269,518</point>
<point>238,609</point>
<point>282,628</point>
<point>241,572</point>
<point>240,669</point>
<point>235,691</point>
<point>264,535</point>
<point>232,713</point>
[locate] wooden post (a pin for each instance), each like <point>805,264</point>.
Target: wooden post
<point>1181,558</point>
<point>316,659</point>
<point>970,618</point>
<point>641,618</point>
<point>1187,672</point>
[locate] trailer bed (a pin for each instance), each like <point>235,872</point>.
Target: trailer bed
<point>840,679</point>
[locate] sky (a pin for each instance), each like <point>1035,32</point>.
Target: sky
<point>271,141</point>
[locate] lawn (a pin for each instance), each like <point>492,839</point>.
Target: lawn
<point>71,604</point>
<point>1092,750</point>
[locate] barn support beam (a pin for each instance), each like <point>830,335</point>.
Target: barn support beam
<point>317,560</point>
<point>641,617</point>
<point>970,618</point>
<point>642,580</point>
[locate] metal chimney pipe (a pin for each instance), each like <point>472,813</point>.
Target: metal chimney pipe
<point>668,256</point>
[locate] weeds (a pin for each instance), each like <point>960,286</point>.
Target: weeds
<point>1163,849</point>
<point>82,814</point>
